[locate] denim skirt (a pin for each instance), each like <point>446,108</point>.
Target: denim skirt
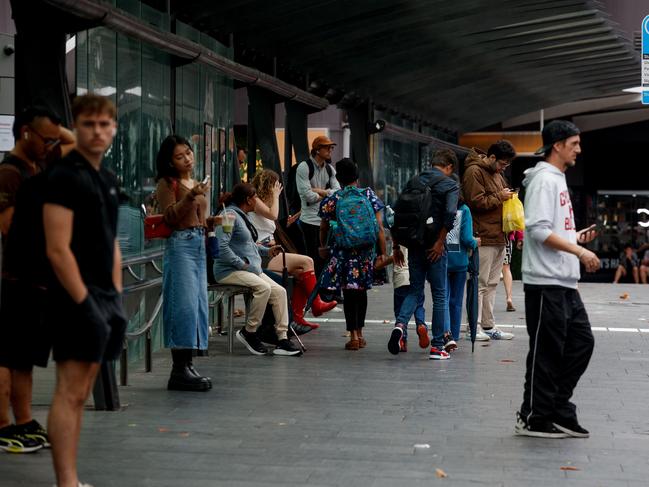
<point>184,290</point>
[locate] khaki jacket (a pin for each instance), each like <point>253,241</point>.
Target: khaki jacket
<point>480,187</point>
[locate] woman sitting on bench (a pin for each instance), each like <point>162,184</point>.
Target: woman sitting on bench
<point>239,262</point>
<point>299,266</point>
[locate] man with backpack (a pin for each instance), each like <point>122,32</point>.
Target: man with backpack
<point>424,214</point>
<point>40,139</point>
<point>315,179</point>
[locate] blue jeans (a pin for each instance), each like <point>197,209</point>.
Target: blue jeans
<point>421,270</point>
<point>184,290</point>
<point>455,296</point>
<point>400,294</point>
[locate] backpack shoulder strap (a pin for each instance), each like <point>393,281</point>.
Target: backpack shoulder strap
<point>309,163</point>
<point>436,180</point>
<point>329,170</point>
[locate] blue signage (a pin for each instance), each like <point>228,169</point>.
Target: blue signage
<point>645,61</point>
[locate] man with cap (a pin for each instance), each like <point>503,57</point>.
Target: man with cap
<point>561,341</point>
<point>315,179</point>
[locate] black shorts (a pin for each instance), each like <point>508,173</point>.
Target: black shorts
<point>24,337</point>
<point>92,331</point>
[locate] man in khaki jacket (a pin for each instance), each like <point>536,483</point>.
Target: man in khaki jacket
<point>485,190</point>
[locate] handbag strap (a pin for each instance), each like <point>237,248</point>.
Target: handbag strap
<point>251,227</point>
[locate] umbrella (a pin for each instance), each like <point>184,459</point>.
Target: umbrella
<point>285,284</point>
<point>472,296</point>
<point>316,289</point>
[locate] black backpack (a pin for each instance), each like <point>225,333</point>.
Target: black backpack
<point>416,204</point>
<point>26,258</point>
<point>294,202</point>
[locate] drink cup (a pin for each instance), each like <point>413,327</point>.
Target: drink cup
<point>228,221</point>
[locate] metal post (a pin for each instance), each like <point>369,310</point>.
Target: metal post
<point>252,146</point>
<point>230,323</point>
<point>105,393</point>
<point>123,366</point>
<point>148,354</point>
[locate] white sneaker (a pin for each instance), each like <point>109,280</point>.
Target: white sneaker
<point>496,334</point>
<point>81,485</point>
<point>480,336</point>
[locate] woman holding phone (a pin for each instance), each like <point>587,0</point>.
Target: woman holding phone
<point>183,202</point>
<point>268,187</point>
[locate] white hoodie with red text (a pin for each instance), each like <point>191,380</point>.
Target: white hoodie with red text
<point>548,210</point>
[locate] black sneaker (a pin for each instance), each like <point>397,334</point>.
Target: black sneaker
<point>12,440</point>
<point>541,430</point>
<point>285,347</point>
<point>267,334</point>
<point>571,428</point>
<point>395,338</point>
<point>35,431</point>
<point>252,342</point>
<point>450,345</point>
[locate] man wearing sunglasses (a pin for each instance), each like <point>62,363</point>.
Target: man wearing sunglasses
<point>485,190</point>
<point>39,140</point>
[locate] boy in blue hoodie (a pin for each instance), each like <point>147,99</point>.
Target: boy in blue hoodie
<point>459,242</point>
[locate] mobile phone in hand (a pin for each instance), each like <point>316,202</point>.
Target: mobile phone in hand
<point>206,180</point>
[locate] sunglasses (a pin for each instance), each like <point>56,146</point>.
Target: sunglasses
<point>48,142</point>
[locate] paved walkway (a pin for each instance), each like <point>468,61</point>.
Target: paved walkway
<point>366,418</point>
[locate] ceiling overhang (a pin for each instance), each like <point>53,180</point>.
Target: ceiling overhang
<point>466,64</point>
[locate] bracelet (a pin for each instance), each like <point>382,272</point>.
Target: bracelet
<point>581,254</point>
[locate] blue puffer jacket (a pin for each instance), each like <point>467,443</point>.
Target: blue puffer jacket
<point>460,240</point>
<point>237,249</point>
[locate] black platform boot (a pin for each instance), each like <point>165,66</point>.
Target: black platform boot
<point>182,378</point>
<point>193,370</point>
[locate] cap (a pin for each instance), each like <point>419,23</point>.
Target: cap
<point>321,141</point>
<point>556,131</point>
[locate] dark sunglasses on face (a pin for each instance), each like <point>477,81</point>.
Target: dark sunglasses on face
<point>48,142</point>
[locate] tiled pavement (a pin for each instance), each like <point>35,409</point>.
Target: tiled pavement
<point>366,418</point>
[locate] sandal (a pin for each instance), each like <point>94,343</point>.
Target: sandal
<point>510,306</point>
<point>352,345</point>
<point>362,343</point>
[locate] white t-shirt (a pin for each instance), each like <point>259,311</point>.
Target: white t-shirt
<point>401,274</point>
<point>264,226</point>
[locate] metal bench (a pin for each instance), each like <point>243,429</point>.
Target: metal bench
<point>226,293</point>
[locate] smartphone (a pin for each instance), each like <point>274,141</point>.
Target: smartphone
<point>206,180</point>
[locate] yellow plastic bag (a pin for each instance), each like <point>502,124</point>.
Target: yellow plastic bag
<point>513,215</point>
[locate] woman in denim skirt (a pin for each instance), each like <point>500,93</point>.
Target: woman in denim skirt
<point>183,203</point>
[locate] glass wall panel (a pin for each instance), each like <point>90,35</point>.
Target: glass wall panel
<point>138,78</point>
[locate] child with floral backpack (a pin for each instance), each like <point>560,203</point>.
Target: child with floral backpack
<point>350,269</point>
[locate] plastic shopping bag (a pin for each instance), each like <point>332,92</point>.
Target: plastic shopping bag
<point>513,215</point>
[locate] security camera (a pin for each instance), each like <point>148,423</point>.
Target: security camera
<point>9,50</point>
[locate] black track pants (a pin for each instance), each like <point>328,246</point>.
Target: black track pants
<point>561,344</point>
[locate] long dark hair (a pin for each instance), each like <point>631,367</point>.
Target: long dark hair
<point>164,160</point>
<point>240,193</point>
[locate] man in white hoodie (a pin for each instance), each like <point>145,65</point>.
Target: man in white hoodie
<point>561,341</point>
